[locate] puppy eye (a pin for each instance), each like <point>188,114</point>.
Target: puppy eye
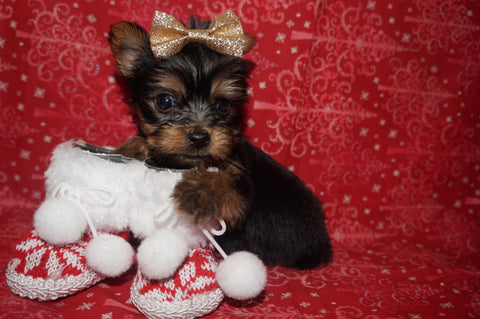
<point>222,106</point>
<point>165,101</point>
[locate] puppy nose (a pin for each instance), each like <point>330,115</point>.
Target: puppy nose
<point>198,138</point>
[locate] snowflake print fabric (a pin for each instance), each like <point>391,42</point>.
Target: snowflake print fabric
<point>374,104</point>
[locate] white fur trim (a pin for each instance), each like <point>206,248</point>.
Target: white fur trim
<point>140,196</point>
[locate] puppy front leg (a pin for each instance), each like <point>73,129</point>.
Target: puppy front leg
<point>208,195</point>
<point>134,147</point>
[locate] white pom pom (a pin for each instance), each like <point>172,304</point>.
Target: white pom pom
<point>242,275</point>
<point>160,255</point>
<point>109,255</point>
<point>59,221</point>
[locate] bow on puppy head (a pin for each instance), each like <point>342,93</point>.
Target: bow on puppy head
<point>225,35</point>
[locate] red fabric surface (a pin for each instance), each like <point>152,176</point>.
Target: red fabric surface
<point>375,104</point>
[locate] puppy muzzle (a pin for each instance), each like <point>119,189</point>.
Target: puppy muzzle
<point>198,138</point>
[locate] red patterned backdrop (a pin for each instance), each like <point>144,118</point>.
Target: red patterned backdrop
<point>375,104</point>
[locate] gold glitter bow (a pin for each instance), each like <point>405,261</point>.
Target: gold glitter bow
<point>225,35</point>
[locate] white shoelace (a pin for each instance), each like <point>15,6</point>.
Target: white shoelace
<point>212,231</point>
<point>91,195</point>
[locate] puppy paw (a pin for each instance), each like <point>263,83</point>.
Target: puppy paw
<point>208,195</point>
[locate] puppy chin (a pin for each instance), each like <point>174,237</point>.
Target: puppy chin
<point>178,161</point>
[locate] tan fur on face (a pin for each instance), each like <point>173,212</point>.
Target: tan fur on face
<point>225,89</point>
<point>222,141</point>
<point>171,84</point>
<point>173,140</point>
<point>144,127</point>
<point>169,140</point>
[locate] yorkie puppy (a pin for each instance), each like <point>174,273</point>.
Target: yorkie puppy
<point>189,89</point>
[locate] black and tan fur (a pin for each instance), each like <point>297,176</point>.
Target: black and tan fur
<point>268,210</point>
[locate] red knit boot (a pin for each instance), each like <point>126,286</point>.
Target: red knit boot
<point>45,272</point>
<point>192,292</point>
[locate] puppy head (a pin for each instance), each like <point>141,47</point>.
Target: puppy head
<point>189,105</point>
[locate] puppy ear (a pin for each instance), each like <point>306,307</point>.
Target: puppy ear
<point>129,42</point>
